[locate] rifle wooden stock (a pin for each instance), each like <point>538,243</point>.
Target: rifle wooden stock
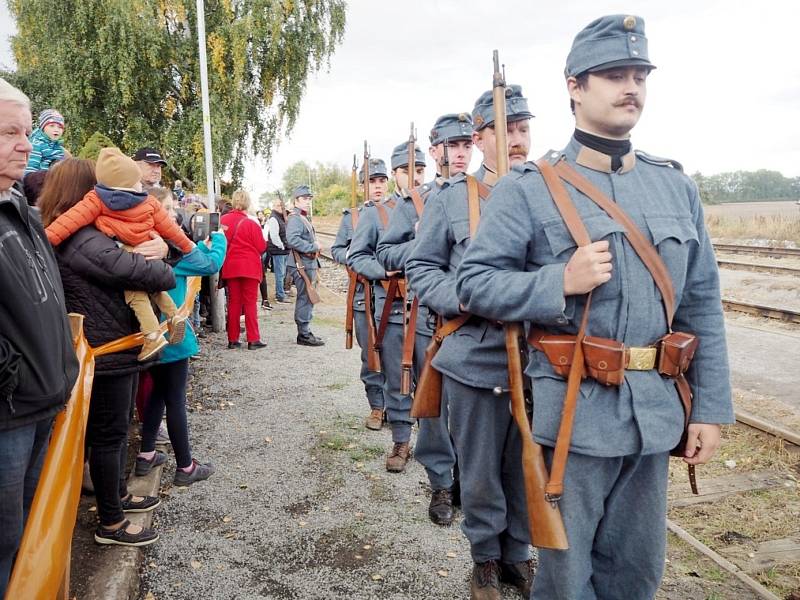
<point>311,291</point>
<point>428,393</point>
<point>407,358</point>
<point>544,519</point>
<point>348,319</point>
<point>373,357</point>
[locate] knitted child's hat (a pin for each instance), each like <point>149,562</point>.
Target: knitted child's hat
<point>117,171</point>
<point>50,115</point>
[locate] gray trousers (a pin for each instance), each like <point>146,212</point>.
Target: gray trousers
<point>373,382</point>
<point>614,511</point>
<point>398,406</point>
<point>303,309</point>
<point>489,452</point>
<point>434,448</point>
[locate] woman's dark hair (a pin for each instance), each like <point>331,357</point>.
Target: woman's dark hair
<point>67,182</point>
<point>32,186</point>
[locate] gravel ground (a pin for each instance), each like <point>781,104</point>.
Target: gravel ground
<point>301,506</point>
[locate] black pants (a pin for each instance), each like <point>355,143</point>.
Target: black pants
<point>107,437</point>
<point>169,389</point>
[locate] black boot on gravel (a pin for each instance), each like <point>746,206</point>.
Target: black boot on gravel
<point>146,504</point>
<point>121,537</point>
<point>200,472</point>
<point>309,339</point>
<point>440,510</point>
<point>520,575</point>
<point>144,466</point>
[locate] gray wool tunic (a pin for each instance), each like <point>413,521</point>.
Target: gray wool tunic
<point>514,271</point>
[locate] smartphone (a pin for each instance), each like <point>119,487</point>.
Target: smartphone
<point>213,222</point>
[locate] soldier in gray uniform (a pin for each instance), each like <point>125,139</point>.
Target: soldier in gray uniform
<point>373,381</point>
<point>361,259</point>
<point>473,364</point>
<point>523,265</point>
<point>434,447</point>
<point>301,237</point>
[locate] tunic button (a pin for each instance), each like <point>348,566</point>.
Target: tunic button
<point>561,320</point>
<point>635,52</point>
<point>554,155</point>
<point>633,38</point>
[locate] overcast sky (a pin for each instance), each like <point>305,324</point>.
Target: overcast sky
<point>725,95</point>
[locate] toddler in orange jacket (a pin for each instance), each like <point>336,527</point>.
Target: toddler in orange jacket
<point>118,207</point>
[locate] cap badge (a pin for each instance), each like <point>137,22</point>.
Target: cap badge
<point>478,120</point>
<point>629,22</point>
<point>463,117</point>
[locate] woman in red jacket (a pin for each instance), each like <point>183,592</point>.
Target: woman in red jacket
<point>242,270</point>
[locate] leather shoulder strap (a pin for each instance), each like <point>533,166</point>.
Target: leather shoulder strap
<point>474,204</point>
<point>419,204</point>
<point>564,203</point>
<point>641,245</point>
<point>383,214</point>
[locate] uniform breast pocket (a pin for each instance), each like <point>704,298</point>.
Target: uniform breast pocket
<point>561,246</point>
<point>460,230</point>
<point>675,237</point>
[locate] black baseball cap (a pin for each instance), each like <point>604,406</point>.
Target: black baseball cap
<point>150,155</point>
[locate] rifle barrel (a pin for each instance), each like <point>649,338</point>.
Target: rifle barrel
<point>500,120</point>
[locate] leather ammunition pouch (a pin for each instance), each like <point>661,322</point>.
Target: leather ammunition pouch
<point>607,360</point>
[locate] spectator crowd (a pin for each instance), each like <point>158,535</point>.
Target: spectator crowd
<point>106,240</point>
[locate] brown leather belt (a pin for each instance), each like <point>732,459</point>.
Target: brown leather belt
<point>606,360</point>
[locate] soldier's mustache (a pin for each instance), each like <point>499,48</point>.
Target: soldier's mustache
<point>630,101</point>
<point>518,150</point>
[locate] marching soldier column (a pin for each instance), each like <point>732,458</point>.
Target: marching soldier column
<point>472,360</point>
<point>601,251</point>
<point>451,135</point>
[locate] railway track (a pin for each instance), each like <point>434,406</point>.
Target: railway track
<point>758,268</point>
<point>770,312</point>
<point>766,251</point>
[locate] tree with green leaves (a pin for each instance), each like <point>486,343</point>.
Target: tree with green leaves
<point>130,70</point>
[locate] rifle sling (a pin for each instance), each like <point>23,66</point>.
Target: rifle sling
<point>419,203</point>
<point>407,358</point>
<point>301,268</point>
<point>386,312</point>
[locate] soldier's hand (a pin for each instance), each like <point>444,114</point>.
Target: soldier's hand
<point>702,442</point>
<point>588,267</point>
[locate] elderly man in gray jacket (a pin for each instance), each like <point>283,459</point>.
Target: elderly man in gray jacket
<point>37,364</point>
<point>523,265</point>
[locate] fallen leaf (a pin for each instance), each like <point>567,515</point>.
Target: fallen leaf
<point>367,547</point>
<point>268,440</point>
<point>377,577</point>
<point>302,523</point>
<point>451,554</point>
<point>196,564</point>
<point>152,564</point>
<point>149,596</point>
<point>230,535</point>
<point>443,573</point>
<point>358,557</point>
<point>226,519</point>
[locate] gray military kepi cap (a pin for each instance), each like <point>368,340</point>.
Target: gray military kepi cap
<point>400,156</point>
<point>451,127</point>
<point>301,190</point>
<point>608,42</point>
<point>516,107</point>
<point>377,168</point>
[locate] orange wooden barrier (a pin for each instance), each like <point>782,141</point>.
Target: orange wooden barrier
<point>41,570</point>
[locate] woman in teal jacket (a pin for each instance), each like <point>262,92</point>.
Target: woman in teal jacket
<point>171,373</point>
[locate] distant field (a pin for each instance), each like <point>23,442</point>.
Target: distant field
<point>754,209</point>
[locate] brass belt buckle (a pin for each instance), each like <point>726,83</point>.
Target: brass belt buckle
<point>641,359</point>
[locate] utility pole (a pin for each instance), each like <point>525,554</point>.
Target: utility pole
<point>216,315</point>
